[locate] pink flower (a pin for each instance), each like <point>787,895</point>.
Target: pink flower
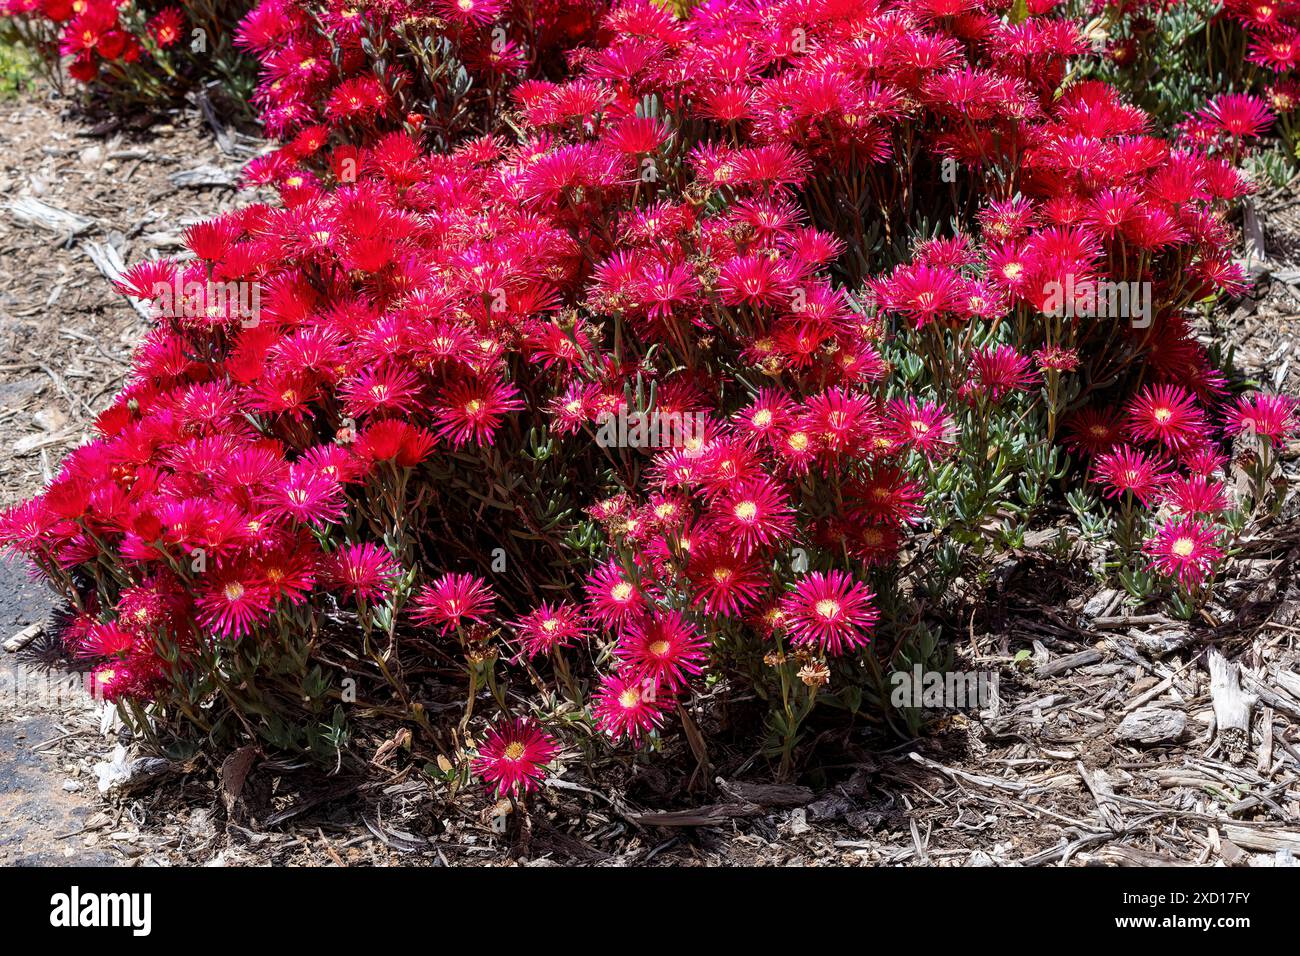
<point>362,571</point>
<point>1186,549</point>
<point>548,627</point>
<point>831,611</point>
<point>1271,417</point>
<point>611,598</point>
<point>626,706</point>
<point>1167,414</point>
<point>233,604</point>
<point>997,371</point>
<point>1239,115</point>
<point>1126,469</point>
<point>452,599</point>
<point>662,648</point>
<point>514,756</point>
<point>1196,495</point>
<point>757,514</point>
<point>923,426</point>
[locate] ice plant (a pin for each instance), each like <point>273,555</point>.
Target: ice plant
<point>451,600</point>
<point>628,707</point>
<point>1272,418</point>
<point>622,340</point>
<point>513,757</point>
<point>1185,549</point>
<point>829,611</point>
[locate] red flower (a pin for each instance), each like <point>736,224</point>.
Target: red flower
<point>474,409</point>
<point>104,640</point>
<point>396,441</point>
<point>166,26</point>
<point>1093,431</point>
<point>113,681</point>
<point>723,582</point>
<point>887,496</point>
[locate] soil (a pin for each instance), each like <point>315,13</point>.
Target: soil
<point>1044,776</point>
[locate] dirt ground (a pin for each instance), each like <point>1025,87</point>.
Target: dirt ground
<point>1099,747</point>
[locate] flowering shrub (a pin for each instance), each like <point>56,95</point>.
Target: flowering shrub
<point>135,52</point>
<point>438,67</point>
<point>667,386</point>
<point>1213,64</point>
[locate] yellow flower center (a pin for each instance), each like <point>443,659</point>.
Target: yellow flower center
<point>629,698</point>
<point>1183,547</point>
<point>621,592</point>
<point>514,750</point>
<point>827,608</point>
<point>746,511</point>
<point>659,648</point>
